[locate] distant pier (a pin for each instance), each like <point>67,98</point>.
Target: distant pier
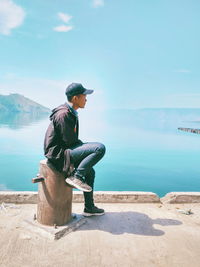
<point>191,130</point>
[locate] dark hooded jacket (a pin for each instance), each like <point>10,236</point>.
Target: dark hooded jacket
<point>61,135</point>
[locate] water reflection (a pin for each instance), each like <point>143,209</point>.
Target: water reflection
<point>19,120</point>
<point>145,151</point>
<point>155,120</point>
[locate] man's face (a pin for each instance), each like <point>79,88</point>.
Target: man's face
<point>80,101</point>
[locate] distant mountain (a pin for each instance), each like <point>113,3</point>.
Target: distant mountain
<point>16,103</point>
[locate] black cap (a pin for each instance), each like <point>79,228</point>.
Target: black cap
<point>77,89</point>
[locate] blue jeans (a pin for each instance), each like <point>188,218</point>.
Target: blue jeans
<point>84,156</point>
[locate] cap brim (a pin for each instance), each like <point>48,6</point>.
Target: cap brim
<point>88,92</point>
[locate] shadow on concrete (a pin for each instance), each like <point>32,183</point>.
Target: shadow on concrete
<point>127,222</point>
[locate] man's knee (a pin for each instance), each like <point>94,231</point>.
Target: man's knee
<point>100,149</point>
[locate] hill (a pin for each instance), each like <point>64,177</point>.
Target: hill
<point>16,103</point>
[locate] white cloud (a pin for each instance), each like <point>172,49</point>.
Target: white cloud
<point>98,3</point>
<point>64,17</point>
<point>183,71</point>
<point>63,28</point>
<point>11,16</point>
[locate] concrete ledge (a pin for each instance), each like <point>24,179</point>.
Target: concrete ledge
<point>181,197</point>
<point>119,197</point>
<point>18,197</point>
<point>30,197</point>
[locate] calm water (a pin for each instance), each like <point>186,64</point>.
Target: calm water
<point>145,151</point>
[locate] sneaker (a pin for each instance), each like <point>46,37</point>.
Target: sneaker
<point>78,183</point>
<point>93,211</point>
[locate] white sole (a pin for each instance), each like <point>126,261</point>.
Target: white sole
<point>92,214</point>
<point>68,181</point>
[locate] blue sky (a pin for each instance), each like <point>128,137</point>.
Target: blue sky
<point>134,54</point>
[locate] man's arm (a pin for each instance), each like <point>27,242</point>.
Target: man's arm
<point>66,125</point>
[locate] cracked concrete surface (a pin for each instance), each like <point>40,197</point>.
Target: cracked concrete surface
<point>127,235</point>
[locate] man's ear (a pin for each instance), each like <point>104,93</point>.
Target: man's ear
<point>73,98</point>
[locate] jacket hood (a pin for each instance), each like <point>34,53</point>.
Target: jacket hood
<point>55,110</point>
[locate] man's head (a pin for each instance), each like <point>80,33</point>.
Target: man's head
<point>76,94</point>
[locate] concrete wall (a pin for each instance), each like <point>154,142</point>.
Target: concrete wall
<point>29,197</point>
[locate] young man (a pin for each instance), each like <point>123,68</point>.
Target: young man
<point>62,146</point>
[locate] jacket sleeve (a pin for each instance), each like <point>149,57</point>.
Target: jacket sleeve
<point>66,126</point>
